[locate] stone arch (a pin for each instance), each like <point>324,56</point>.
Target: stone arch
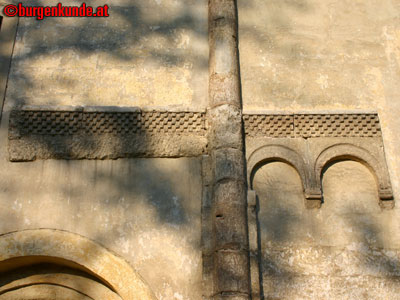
<point>27,247</point>
<point>54,278</point>
<point>269,153</point>
<point>345,151</point>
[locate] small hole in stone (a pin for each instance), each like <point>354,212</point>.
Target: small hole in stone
<point>218,216</point>
<point>219,18</point>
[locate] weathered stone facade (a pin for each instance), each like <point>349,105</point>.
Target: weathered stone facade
<point>206,150</point>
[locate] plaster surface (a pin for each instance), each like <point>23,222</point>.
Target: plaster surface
<point>295,55</point>
<point>145,210</point>
<point>309,55</point>
<point>146,53</point>
<point>344,250</point>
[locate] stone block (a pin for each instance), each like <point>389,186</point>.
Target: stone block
<point>232,297</point>
<point>224,89</point>
<point>225,128</point>
<point>228,163</point>
<point>230,227</point>
<point>232,271</point>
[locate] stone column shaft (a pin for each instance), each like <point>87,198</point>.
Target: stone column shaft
<point>228,213</point>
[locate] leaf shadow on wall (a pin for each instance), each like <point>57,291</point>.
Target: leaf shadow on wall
<point>147,210</point>
<point>344,245</point>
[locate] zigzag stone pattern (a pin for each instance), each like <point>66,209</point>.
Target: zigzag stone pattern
<point>312,125</point>
<point>78,134</point>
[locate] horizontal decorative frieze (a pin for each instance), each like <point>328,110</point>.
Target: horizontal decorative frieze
<point>312,125</point>
<point>73,122</point>
<point>43,134</point>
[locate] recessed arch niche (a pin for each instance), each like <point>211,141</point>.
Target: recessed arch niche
<point>57,264</point>
<point>279,190</point>
<point>349,186</point>
<point>347,152</point>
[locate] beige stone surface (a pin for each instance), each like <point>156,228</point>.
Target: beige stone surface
<point>145,210</point>
<point>295,55</point>
<point>346,288</point>
<point>309,55</point>
<point>345,250</point>
<point>8,29</point>
<point>44,292</point>
<point>27,287</point>
<point>105,275</point>
<point>146,53</point>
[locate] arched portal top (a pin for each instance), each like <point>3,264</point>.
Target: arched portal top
<point>281,153</point>
<point>344,151</point>
<point>107,266</point>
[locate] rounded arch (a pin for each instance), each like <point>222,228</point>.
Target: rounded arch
<point>339,152</point>
<point>38,277</point>
<point>23,248</point>
<point>280,153</point>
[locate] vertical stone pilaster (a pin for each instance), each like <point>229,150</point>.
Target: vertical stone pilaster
<point>231,272</point>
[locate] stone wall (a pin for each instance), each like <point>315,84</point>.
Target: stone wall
<point>127,136</point>
<point>306,55</point>
<point>324,56</point>
<point>147,54</point>
<point>345,250</point>
<point>144,210</point>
